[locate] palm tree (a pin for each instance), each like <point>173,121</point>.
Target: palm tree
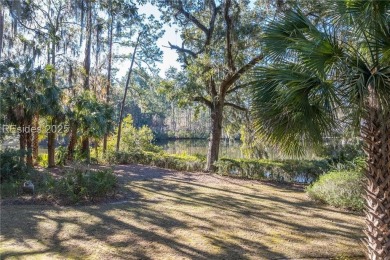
<point>92,117</point>
<point>23,98</point>
<point>317,72</point>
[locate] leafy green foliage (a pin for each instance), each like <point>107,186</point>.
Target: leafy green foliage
<point>133,138</point>
<point>94,118</point>
<point>180,162</point>
<point>283,170</point>
<point>61,155</point>
<point>14,173</point>
<point>43,160</point>
<point>252,147</point>
<point>318,75</point>
<point>342,153</point>
<point>25,91</point>
<point>11,167</point>
<point>83,184</point>
<point>340,189</point>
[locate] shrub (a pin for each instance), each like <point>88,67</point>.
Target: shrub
<point>180,162</point>
<point>61,155</point>
<point>340,189</point>
<point>10,189</point>
<point>43,184</point>
<point>11,168</point>
<point>133,138</point>
<point>281,170</point>
<point>43,160</point>
<point>84,184</point>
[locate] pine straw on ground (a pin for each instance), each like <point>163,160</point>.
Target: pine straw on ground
<point>178,215</point>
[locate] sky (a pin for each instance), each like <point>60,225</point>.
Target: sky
<point>171,35</point>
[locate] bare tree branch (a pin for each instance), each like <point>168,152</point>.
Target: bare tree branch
<point>203,100</point>
<point>178,5</point>
<point>213,88</point>
<point>181,49</point>
<point>237,88</point>
<point>214,11</point>
<point>229,28</point>
<point>228,82</point>
<point>235,106</point>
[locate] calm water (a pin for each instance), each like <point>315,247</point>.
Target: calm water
<point>228,149</point>
<point>189,146</point>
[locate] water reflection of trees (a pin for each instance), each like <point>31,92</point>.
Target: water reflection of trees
<point>228,148</point>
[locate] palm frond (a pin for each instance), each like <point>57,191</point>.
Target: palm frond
<point>292,108</point>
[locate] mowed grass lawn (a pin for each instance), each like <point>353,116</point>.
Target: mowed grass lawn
<point>178,215</point>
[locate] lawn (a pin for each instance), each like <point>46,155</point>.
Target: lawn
<point>177,215</point>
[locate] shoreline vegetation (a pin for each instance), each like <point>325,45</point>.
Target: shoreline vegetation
<point>76,184</point>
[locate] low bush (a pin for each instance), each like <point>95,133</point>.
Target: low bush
<point>10,189</point>
<point>43,160</point>
<point>75,185</point>
<point>43,182</point>
<point>11,167</point>
<point>133,138</point>
<point>281,170</point>
<point>180,162</point>
<point>340,189</point>
<point>61,155</point>
<point>85,185</point>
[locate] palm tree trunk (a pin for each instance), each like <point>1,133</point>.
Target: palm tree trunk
<point>72,141</point>
<point>215,136</point>
<point>29,160</point>
<point>85,148</point>
<point>35,139</point>
<point>51,136</point>
<point>376,136</point>
<point>51,142</point>
<point>96,148</point>
<point>22,144</point>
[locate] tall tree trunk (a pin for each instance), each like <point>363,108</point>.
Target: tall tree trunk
<point>51,136</point>
<point>118,140</point>
<point>35,139</point>
<point>87,52</point>
<point>85,148</point>
<point>215,136</point>
<point>29,160</point>
<point>72,134</point>
<point>87,69</point>
<point>96,148</point>
<point>376,137</point>
<point>72,141</point>
<point>1,29</point>
<point>108,87</point>
<point>22,144</point>
<point>51,145</point>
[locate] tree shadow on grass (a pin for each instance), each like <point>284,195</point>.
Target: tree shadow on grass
<point>174,215</point>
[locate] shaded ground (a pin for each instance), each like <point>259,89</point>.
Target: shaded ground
<point>174,215</point>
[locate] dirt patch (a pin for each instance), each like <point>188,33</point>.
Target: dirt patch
<point>177,215</point>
